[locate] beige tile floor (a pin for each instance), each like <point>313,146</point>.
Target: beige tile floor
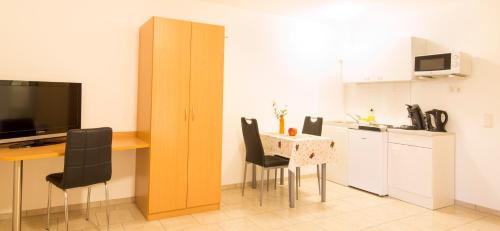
<point>346,209</point>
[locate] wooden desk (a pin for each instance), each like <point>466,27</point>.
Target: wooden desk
<point>121,141</point>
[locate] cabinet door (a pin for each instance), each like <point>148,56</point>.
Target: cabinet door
<point>205,126</point>
<point>382,59</point>
<point>410,169</point>
<point>337,169</point>
<point>169,122</point>
<point>368,161</point>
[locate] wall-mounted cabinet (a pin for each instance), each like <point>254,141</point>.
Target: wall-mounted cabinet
<point>385,61</point>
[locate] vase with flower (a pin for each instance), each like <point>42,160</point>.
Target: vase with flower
<point>280,113</point>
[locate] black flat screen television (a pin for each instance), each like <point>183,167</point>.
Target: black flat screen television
<point>31,110</point>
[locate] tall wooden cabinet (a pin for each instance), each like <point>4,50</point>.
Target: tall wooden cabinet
<point>179,113</point>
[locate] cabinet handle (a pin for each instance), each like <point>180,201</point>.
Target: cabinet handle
<point>185,114</point>
<point>363,138</point>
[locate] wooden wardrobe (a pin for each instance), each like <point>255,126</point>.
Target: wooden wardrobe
<point>179,112</point>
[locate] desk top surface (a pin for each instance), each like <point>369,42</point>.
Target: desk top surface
<point>121,141</point>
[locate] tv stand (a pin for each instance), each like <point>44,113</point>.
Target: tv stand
<point>38,143</point>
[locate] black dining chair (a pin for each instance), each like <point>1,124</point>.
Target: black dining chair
<point>255,154</point>
<point>87,161</point>
<point>312,126</point>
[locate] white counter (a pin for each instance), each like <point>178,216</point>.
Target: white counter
<point>419,132</point>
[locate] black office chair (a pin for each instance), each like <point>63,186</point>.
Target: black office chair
<point>87,161</point>
<point>312,126</point>
<point>255,154</point>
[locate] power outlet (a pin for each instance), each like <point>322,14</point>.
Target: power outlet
<point>488,120</point>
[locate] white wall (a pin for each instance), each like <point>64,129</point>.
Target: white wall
<point>470,26</point>
<point>95,42</point>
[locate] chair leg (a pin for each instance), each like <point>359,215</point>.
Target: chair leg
<point>244,179</point>
<point>282,176</point>
<point>88,203</point>
<point>261,184</point>
<point>66,212</point>
<point>275,178</point>
<point>107,202</point>
<point>254,176</point>
<point>319,176</point>
<point>298,177</point>
<point>268,180</point>
<point>49,204</point>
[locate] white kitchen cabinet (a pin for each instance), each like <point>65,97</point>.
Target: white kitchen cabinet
<point>382,61</point>
<point>367,166</point>
<point>336,170</point>
<point>421,167</point>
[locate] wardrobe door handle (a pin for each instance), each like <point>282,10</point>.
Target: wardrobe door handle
<point>185,114</point>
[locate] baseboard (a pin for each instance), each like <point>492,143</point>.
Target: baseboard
<point>238,185</point>
<point>174,213</point>
<point>73,207</point>
<point>478,208</point>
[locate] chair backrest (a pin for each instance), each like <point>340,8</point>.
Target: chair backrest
<point>88,157</point>
<point>253,144</point>
<point>313,126</point>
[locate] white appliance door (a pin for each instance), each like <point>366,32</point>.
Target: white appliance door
<point>368,161</point>
<point>410,169</point>
<point>336,170</point>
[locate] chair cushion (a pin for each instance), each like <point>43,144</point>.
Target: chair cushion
<point>274,161</point>
<point>56,179</point>
<point>282,157</point>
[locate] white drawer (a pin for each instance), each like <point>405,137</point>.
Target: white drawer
<point>413,140</point>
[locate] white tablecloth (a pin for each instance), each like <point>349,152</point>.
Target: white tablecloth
<point>302,150</point>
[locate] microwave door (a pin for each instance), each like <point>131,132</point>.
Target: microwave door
<point>438,62</point>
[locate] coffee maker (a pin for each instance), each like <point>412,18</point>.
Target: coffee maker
<point>435,120</point>
<point>416,116</point>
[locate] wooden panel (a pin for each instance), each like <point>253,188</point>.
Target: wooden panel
<point>180,212</point>
<point>121,141</point>
<point>205,129</point>
<point>144,113</point>
<point>169,124</point>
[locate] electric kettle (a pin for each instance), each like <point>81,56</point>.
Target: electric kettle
<point>436,120</point>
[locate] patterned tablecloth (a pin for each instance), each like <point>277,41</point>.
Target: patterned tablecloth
<point>302,149</point>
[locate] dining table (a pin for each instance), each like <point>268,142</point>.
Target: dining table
<point>302,150</point>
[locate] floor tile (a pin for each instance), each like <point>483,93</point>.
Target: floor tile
<point>240,224</point>
<point>179,223</point>
<point>491,223</point>
<point>211,217</point>
<point>268,220</point>
<point>143,226</point>
<point>346,209</point>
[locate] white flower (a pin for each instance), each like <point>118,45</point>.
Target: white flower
<point>279,112</point>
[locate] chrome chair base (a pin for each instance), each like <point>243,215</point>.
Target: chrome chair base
<point>262,179</point>
<point>66,205</point>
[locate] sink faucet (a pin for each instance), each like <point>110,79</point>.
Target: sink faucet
<point>356,118</point>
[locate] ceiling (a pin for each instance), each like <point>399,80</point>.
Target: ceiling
<point>331,10</point>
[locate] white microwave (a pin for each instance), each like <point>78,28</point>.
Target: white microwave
<point>447,64</point>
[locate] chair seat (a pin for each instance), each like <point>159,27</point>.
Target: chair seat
<point>282,157</point>
<point>56,179</point>
<point>275,161</point>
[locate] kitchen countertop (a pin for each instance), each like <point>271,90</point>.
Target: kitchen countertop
<point>353,125</point>
<point>419,132</point>
<point>343,124</point>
